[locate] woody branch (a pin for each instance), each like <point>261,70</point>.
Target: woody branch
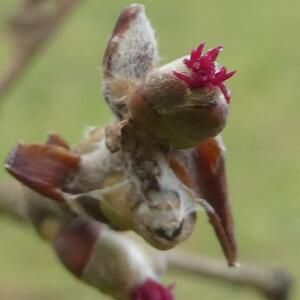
<point>274,284</point>
<point>30,29</point>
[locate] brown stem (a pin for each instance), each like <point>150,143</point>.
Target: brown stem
<point>273,284</point>
<point>39,28</point>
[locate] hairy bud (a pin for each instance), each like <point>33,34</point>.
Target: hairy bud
<point>166,107</point>
<point>113,262</point>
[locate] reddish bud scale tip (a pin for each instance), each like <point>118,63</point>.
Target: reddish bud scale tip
<point>204,71</point>
<point>152,290</point>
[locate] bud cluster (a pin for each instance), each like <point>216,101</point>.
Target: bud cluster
<point>150,171</point>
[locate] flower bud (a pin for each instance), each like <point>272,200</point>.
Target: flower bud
<point>185,102</point>
<point>152,290</point>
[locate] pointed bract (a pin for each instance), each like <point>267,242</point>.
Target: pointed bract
<point>211,175</point>
<point>205,165</point>
<point>132,49</point>
<point>43,168</point>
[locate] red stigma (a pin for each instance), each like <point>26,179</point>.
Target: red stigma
<point>153,290</point>
<point>204,71</point>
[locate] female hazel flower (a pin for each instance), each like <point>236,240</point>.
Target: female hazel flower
<point>204,72</point>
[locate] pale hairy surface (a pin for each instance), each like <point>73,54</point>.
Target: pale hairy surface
<point>95,166</point>
<point>137,51</point>
<point>131,54</point>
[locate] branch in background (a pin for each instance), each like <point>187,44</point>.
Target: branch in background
<point>273,284</point>
<point>14,201</point>
<point>31,29</point>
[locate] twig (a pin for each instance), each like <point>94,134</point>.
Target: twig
<point>273,284</point>
<point>31,29</point>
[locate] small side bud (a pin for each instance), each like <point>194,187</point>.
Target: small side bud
<point>125,268</point>
<point>132,49</point>
<point>130,55</point>
<point>152,290</point>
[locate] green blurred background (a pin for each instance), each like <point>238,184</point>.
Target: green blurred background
<point>62,93</point>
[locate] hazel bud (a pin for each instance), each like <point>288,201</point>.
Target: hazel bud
<point>166,107</point>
